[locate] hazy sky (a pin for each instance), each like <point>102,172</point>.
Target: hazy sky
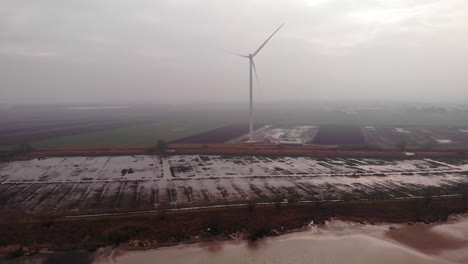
<point>149,50</point>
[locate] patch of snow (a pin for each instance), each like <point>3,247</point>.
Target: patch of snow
<point>402,130</point>
<point>444,141</point>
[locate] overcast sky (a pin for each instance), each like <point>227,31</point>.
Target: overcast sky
<point>149,50</point>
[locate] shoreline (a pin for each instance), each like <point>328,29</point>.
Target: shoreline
<point>156,230</point>
<point>446,249</point>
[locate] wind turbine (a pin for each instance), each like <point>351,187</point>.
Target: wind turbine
<point>252,66</point>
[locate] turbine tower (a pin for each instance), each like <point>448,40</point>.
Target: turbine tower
<point>252,67</point>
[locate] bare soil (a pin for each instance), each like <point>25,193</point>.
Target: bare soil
<point>249,149</point>
<point>169,227</point>
<point>339,135</point>
<point>218,135</point>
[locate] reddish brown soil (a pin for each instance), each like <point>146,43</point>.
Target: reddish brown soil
<point>312,151</point>
<point>256,220</point>
<point>253,149</point>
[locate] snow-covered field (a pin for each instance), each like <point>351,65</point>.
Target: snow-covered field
<point>76,185</point>
<point>285,134</point>
<point>382,136</point>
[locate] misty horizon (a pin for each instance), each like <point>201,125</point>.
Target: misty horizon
<point>180,51</point>
<point>243,104</point>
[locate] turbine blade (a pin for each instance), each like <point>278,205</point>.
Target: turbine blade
<point>255,53</point>
<point>255,71</point>
<point>240,55</point>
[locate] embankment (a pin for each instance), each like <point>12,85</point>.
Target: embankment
<point>170,227</point>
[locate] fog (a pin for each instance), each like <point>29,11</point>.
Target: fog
<point>55,51</point>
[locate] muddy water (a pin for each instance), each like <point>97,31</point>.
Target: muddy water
<point>349,249</point>
<point>334,242</point>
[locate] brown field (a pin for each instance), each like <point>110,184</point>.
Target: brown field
<point>249,149</point>
<point>217,135</point>
<point>339,135</point>
<point>170,227</point>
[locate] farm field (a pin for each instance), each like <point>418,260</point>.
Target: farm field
<point>96,185</point>
<point>188,132</point>
<point>276,134</point>
<point>217,135</point>
<point>65,126</point>
<point>339,135</point>
<point>143,134</point>
<point>383,136</point>
<point>62,126</point>
<point>414,136</point>
<point>29,123</point>
<point>28,134</point>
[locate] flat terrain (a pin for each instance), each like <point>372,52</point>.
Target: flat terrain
<point>281,134</point>
<point>37,133</point>
<point>339,135</point>
<point>54,126</point>
<point>140,135</point>
<point>347,135</point>
<point>218,135</point>
<point>94,185</point>
<point>416,136</point>
<point>98,125</point>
